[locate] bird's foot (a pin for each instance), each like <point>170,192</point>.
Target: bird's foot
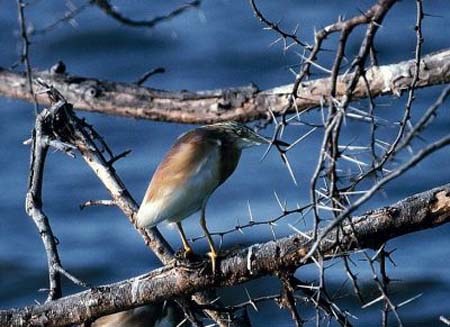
<point>187,253</point>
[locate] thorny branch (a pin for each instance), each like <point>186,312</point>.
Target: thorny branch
<point>396,146</point>
<point>42,139</point>
<point>337,98</point>
<point>424,210</point>
<point>345,213</point>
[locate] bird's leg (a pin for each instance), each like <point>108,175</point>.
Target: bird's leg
<point>213,253</point>
<point>187,248</point>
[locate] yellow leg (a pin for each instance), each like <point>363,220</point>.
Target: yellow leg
<point>186,246</point>
<point>213,253</point>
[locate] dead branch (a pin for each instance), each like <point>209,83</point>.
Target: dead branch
<point>243,103</point>
<point>25,58</point>
<point>69,16</point>
<point>42,139</point>
<point>112,12</point>
<point>109,10</point>
<point>33,206</point>
<point>421,211</point>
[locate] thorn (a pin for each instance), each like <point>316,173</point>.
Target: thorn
<point>288,166</point>
<point>283,208</point>
<point>251,219</point>
<point>298,231</point>
<point>409,300</point>
<point>356,161</point>
<point>301,138</point>
<point>378,299</point>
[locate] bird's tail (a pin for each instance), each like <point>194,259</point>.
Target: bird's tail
<point>148,215</point>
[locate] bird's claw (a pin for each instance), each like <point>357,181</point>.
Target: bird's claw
<point>213,257</point>
<point>188,253</point>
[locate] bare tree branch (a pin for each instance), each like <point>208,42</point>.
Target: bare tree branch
<point>421,211</point>
<point>109,10</point>
<point>25,58</point>
<point>33,206</point>
<point>41,141</point>
<point>243,104</point>
<point>68,16</point>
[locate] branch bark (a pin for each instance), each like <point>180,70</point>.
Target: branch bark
<point>33,205</point>
<point>421,211</point>
<point>243,103</point>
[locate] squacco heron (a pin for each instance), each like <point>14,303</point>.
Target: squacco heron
<point>199,161</point>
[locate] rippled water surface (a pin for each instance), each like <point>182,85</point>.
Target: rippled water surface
<point>220,45</point>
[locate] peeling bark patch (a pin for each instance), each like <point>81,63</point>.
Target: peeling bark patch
<point>302,252</point>
<point>440,206</point>
<point>250,258</point>
<point>442,202</point>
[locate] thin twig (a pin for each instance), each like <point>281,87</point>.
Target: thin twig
<point>109,10</point>
<point>25,57</point>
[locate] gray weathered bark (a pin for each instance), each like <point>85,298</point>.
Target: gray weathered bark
<point>421,211</point>
<point>243,104</point>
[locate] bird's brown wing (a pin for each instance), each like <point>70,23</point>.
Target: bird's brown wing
<point>179,164</point>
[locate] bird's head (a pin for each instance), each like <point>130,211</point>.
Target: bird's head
<point>239,134</point>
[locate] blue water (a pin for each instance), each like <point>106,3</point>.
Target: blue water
<point>220,45</point>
